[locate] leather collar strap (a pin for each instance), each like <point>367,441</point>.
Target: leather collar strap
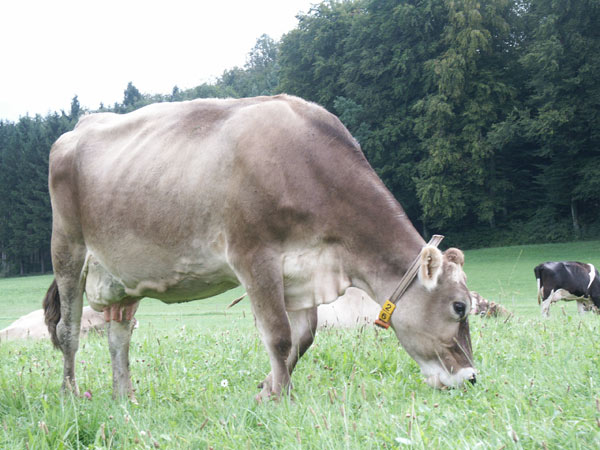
<point>388,307</point>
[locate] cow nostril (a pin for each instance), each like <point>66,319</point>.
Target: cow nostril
<point>459,308</point>
<point>473,379</point>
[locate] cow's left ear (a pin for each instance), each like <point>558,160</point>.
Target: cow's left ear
<point>431,267</point>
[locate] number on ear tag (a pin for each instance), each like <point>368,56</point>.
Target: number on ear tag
<point>386,311</point>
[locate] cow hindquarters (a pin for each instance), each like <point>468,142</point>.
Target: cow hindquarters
<point>119,336</point>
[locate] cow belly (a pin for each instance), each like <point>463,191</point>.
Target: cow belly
<point>182,290</point>
<point>563,294</point>
<point>313,277</point>
<point>103,289</point>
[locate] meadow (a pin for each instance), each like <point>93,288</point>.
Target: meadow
<point>196,367</point>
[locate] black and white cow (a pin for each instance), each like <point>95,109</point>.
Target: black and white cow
<point>567,280</point>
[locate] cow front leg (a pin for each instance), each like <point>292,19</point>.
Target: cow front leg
<point>304,328</point>
<point>261,274</point>
<point>585,306</point>
<point>120,328</point>
<point>274,327</point>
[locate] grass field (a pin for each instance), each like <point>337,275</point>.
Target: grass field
<point>195,369</point>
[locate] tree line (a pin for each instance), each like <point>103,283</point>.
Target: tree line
<point>482,117</point>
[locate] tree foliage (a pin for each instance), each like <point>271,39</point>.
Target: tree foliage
<point>480,116</point>
<point>25,214</point>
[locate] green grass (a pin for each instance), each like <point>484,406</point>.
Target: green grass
<point>19,296</point>
<point>538,384</point>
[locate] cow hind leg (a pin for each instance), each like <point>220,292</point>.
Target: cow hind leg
<point>546,308</point>
<point>549,299</point>
<point>68,298</point>
<point>120,328</point>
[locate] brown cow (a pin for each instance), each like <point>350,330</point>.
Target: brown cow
<point>182,201</point>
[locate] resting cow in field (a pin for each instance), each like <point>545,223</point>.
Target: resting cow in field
<point>485,308</point>
<point>183,201</point>
<point>567,280</point>
<point>32,326</point>
<point>353,309</point>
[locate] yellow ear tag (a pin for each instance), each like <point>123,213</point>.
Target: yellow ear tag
<point>386,311</point>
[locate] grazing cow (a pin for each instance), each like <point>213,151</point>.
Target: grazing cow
<point>182,201</point>
<point>567,280</point>
<point>32,326</point>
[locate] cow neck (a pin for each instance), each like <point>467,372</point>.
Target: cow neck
<point>389,306</point>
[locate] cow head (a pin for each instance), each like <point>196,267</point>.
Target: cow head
<point>431,320</point>
<point>479,305</point>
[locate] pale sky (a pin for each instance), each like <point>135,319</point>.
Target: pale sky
<point>53,50</point>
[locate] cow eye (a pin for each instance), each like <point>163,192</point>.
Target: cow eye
<point>459,308</point>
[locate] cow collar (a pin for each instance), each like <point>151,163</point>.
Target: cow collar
<point>389,306</point>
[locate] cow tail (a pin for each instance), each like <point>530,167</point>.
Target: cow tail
<point>51,305</point>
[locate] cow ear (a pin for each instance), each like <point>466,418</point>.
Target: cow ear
<point>431,265</point>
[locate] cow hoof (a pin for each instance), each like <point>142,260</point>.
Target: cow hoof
<point>265,396</point>
<point>267,392</point>
<point>266,383</point>
<point>124,398</point>
<point>70,388</point>
<point>261,385</point>
<point>262,396</point>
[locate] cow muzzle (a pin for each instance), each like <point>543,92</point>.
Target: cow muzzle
<point>442,379</point>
